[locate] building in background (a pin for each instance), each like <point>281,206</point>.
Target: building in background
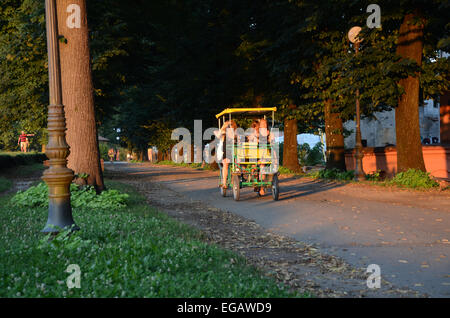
<point>380,131</point>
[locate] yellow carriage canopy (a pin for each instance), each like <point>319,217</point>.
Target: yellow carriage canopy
<point>247,111</point>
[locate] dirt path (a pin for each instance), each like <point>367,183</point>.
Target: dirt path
<point>305,267</point>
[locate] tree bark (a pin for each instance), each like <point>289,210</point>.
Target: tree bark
<point>78,91</point>
<point>409,145</point>
<point>192,154</point>
<point>290,155</point>
<point>144,154</point>
<point>334,138</point>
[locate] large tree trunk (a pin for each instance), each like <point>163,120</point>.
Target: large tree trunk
<point>409,145</point>
<point>445,119</point>
<point>78,91</point>
<point>290,155</point>
<point>334,138</point>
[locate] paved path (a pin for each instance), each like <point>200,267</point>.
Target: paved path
<point>407,233</point>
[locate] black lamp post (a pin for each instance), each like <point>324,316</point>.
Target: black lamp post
<point>359,172</point>
<point>58,177</point>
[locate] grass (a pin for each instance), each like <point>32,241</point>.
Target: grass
<point>189,165</point>
<point>333,174</point>
<point>27,170</point>
<point>412,179</point>
<point>5,184</point>
<point>285,171</point>
<point>134,251</point>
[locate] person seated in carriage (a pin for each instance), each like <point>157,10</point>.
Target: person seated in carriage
<point>225,134</point>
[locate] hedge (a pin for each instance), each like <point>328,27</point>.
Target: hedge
<point>11,159</point>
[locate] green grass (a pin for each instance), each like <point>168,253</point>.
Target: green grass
<point>23,171</point>
<point>27,170</point>
<point>182,164</point>
<point>284,170</point>
<point>5,184</point>
<point>412,179</point>
<point>333,174</point>
<point>134,251</point>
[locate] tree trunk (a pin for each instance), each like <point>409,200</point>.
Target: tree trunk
<point>334,138</point>
<point>445,118</point>
<point>78,91</point>
<point>409,145</point>
<point>290,155</point>
<point>144,154</point>
<point>192,154</point>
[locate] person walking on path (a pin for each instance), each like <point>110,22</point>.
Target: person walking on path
<point>23,141</point>
<point>111,154</point>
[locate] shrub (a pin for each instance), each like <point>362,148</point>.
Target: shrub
<point>374,176</point>
<point>12,159</point>
<point>284,170</point>
<point>103,148</point>
<point>334,174</point>
<point>414,179</point>
<point>85,196</point>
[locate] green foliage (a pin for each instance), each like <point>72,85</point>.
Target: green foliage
<point>284,170</point>
<point>414,179</point>
<point>82,175</point>
<point>81,197</point>
<point>197,57</point>
<point>9,160</point>
<point>5,184</point>
<point>374,176</point>
<point>66,239</point>
<point>333,174</point>
<point>134,252</point>
<point>310,157</point>
<point>23,65</point>
<point>103,148</point>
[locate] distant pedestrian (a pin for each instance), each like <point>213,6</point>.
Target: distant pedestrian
<point>23,141</point>
<point>111,154</point>
<point>118,155</point>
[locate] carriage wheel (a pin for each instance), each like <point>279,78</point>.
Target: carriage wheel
<point>236,187</point>
<point>275,187</point>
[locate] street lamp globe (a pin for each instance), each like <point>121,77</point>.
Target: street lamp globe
<point>353,34</point>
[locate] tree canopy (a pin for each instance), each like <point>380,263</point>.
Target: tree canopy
<point>161,64</point>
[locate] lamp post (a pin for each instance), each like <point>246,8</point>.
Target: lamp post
<point>359,172</point>
<point>58,177</point>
